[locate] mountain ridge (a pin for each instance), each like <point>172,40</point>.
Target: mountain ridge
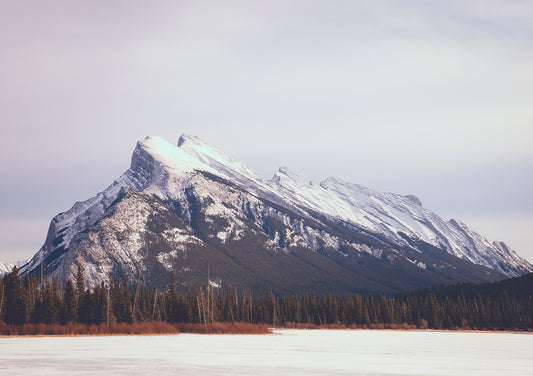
<point>202,190</point>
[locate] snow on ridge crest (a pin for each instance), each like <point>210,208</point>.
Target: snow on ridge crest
<point>171,156</point>
<point>285,176</point>
<point>217,160</point>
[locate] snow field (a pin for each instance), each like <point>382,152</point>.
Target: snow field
<point>288,352</point>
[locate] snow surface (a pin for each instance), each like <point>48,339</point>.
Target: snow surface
<point>290,352</point>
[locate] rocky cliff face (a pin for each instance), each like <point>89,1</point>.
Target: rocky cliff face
<point>191,207</point>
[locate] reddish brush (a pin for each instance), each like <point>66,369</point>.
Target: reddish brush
<point>224,328</point>
<point>81,329</point>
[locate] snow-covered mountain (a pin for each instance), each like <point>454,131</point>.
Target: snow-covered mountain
<point>7,267</point>
<point>188,206</point>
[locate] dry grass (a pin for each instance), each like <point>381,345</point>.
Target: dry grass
<point>81,329</point>
<point>154,328</point>
<point>403,326</point>
<point>144,328</point>
<point>224,328</point>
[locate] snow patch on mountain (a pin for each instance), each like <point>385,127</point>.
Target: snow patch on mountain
<point>217,160</point>
<point>7,267</point>
<point>392,215</point>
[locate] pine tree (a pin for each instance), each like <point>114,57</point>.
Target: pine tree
<point>70,304</point>
<point>86,308</point>
<point>2,292</point>
<point>50,303</point>
<point>100,304</point>
<point>83,298</point>
<point>80,282</point>
<point>173,301</point>
<point>14,299</point>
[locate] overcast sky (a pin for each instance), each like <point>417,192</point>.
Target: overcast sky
<point>432,98</point>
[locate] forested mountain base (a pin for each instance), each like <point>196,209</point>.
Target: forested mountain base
<point>108,305</point>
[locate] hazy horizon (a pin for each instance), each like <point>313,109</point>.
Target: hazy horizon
<point>428,98</point>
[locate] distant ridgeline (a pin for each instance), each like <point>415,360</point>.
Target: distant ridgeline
<point>504,305</point>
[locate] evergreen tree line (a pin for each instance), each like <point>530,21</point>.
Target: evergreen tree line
<point>28,301</point>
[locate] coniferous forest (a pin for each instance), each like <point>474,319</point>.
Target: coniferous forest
<point>504,305</point>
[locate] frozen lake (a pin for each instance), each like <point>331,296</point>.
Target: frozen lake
<point>291,352</point>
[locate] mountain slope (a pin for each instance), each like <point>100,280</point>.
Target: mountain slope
<point>192,207</point>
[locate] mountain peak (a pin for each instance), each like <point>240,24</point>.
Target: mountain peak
<point>216,159</point>
<point>332,183</point>
<point>186,138</point>
<point>284,176</point>
<point>205,153</point>
<point>287,172</point>
<point>156,150</point>
<point>414,199</point>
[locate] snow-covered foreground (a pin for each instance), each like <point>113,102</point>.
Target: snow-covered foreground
<point>293,352</point>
